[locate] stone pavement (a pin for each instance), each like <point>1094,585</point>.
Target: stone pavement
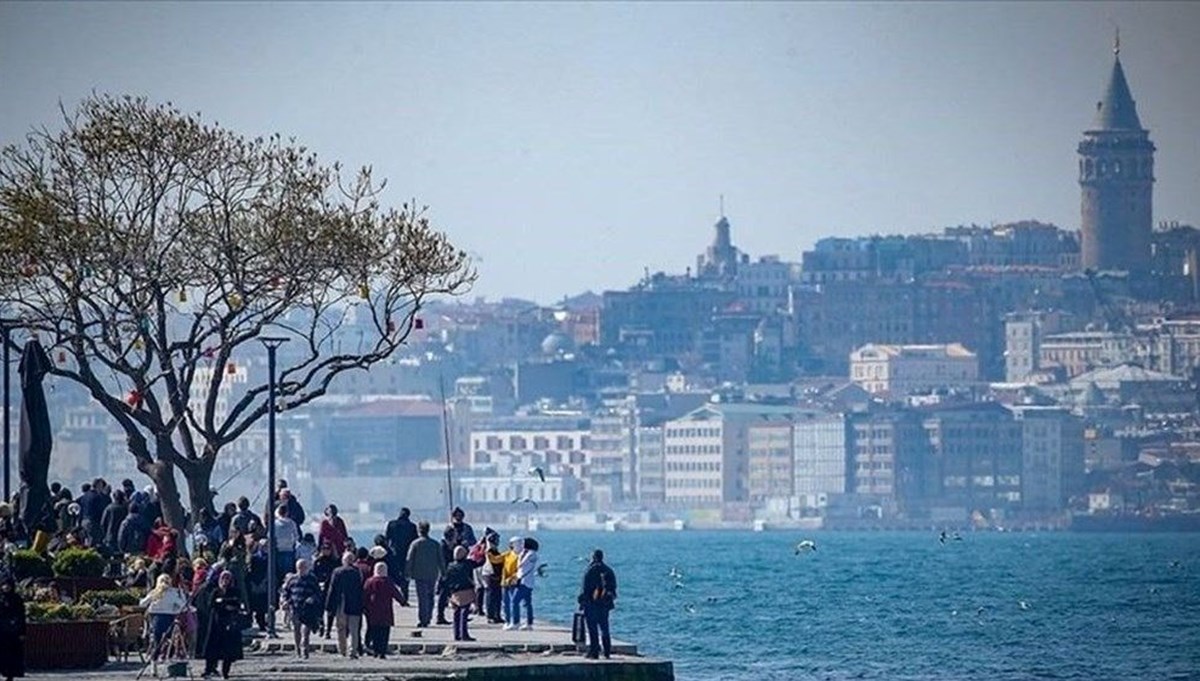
<point>544,653</point>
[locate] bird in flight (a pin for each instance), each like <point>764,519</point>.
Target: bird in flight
<point>805,546</point>
<point>537,470</point>
<point>675,573</point>
<point>1024,605</point>
<point>526,500</point>
<point>541,569</point>
<point>691,609</point>
<point>942,537</point>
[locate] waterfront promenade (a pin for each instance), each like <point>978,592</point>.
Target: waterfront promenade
<point>545,653</point>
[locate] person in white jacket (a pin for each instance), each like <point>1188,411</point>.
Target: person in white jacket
<point>163,604</point>
<point>526,579</point>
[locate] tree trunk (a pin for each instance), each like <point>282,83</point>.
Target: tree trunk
<point>199,483</point>
<point>162,473</point>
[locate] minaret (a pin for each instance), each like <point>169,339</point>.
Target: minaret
<point>1116,178</point>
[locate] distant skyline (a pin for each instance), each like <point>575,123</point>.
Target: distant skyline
<point>571,146</point>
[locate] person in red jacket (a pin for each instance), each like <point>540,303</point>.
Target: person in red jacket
<point>333,530</point>
<point>378,595</point>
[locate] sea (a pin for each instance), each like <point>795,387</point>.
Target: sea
<point>900,606</point>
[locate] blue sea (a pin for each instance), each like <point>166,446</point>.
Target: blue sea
<point>896,606</point>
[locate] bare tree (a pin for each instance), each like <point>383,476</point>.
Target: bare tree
<point>146,247</point>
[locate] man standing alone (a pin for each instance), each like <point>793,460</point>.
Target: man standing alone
<point>425,566</point>
<point>345,600</point>
<point>596,597</point>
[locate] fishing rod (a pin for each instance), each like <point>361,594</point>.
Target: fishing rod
<point>446,440</point>
<point>230,478</point>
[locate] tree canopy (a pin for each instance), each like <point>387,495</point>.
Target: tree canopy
<point>146,248</point>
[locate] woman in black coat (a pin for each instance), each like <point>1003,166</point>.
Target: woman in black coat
<point>224,640</point>
<point>12,630</point>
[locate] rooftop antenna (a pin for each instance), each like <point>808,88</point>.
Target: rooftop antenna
<point>1116,40</point>
<point>722,199</point>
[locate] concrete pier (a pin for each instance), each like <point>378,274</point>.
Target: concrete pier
<point>545,653</point>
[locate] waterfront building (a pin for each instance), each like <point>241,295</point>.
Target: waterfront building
<point>1052,454</point>
<point>974,461</point>
<point>819,456</point>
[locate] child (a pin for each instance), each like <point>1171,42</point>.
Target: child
<point>289,619</point>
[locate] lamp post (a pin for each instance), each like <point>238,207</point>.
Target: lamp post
<point>272,344</point>
<point>4,331</point>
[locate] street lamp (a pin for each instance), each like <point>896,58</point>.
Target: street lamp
<point>4,331</point>
<point>272,344</point>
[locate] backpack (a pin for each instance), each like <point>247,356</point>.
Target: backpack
<point>600,593</point>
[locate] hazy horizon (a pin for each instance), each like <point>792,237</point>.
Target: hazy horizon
<point>570,146</point>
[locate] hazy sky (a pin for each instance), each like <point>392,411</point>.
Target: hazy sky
<point>570,146</point>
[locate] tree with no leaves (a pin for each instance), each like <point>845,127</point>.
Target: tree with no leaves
<point>147,249</point>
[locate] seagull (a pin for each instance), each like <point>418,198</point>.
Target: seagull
<point>675,573</point>
<point>1024,605</point>
<point>690,609</point>
<point>942,537</point>
<point>980,610</point>
<point>678,584</point>
<point>1175,564</point>
<point>957,537</point>
<point>537,470</point>
<point>526,500</point>
<point>806,545</point>
<point>541,570</point>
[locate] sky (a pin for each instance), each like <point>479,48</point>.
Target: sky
<point>569,147</point>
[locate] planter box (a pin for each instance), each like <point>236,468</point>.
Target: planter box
<point>76,586</point>
<point>66,645</point>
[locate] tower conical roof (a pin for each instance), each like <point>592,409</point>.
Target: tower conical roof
<point>1117,110</point>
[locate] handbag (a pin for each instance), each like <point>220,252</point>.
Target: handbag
<point>462,597</point>
<point>579,628</point>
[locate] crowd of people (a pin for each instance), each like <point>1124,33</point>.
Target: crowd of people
<point>213,582</point>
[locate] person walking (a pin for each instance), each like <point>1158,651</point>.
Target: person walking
<point>400,534</point>
<point>333,530</point>
<point>287,536</point>
<point>379,593</point>
<point>526,578</point>
<point>596,597</point>
<point>163,604</point>
<point>304,597</point>
<point>425,566</point>
<point>459,582</point>
<point>346,602</point>
<point>12,630</point>
<point>223,643</point>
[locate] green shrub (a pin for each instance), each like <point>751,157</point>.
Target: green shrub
<point>27,563</point>
<point>118,597</point>
<point>58,612</point>
<point>79,563</point>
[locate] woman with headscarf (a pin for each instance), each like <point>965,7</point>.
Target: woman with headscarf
<point>163,604</point>
<point>12,630</point>
<point>378,594</point>
<point>223,642</point>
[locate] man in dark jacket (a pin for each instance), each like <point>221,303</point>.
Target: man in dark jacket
<point>284,496</point>
<point>133,532</point>
<point>464,534</point>
<point>425,566</point>
<point>400,534</point>
<point>110,521</point>
<point>91,510</point>
<point>345,600</point>
<point>596,598</point>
